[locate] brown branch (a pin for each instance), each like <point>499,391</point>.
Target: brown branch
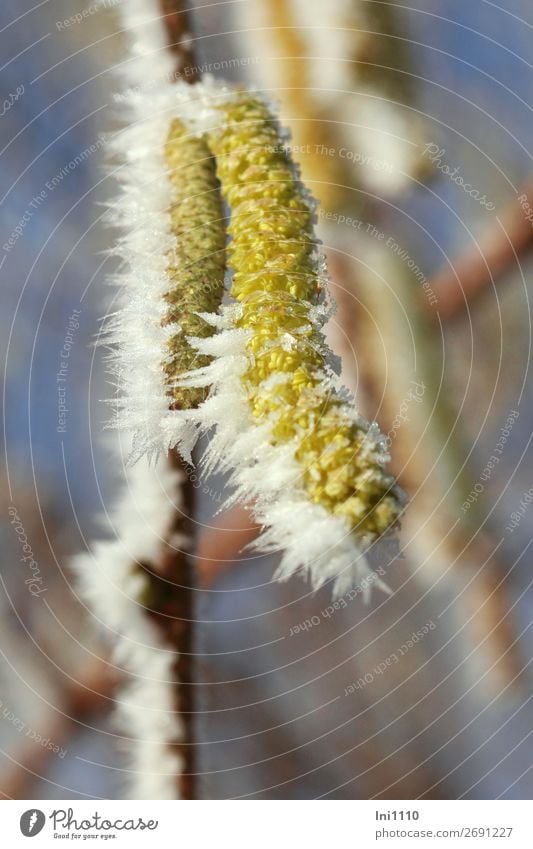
<point>169,603</point>
<point>485,604</point>
<point>461,283</point>
<point>172,578</point>
<point>180,627</point>
<point>176,20</point>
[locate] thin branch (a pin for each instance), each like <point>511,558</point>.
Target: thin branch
<point>461,283</point>
<point>172,579</point>
<point>176,20</point>
<point>175,571</point>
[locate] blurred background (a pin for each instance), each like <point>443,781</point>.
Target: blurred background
<point>413,126</point>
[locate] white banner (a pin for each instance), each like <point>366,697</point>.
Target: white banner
<point>267,825</point>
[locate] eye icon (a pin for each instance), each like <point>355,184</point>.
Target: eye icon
<point>32,822</point>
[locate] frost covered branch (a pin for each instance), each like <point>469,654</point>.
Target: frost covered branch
<point>256,372</point>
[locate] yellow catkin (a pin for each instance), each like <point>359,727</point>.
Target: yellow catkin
<point>276,280</point>
<point>197,258</point>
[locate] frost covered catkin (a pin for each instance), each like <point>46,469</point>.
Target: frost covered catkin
<point>172,247</point>
<point>197,258</point>
<point>277,281</point>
